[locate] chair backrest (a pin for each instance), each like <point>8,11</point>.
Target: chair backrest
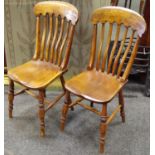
<point>112,61</point>
<point>55,22</point>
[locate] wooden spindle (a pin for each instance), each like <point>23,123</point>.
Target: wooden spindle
<point>54,39</point>
<point>114,48</point>
<point>43,38</point>
<point>63,43</point>
<point>68,47</point>
<point>59,40</point>
<point>107,47</point>
<point>100,47</point>
<point>37,48</point>
<point>93,48</point>
<point>49,37</point>
<point>125,55</point>
<point>131,60</point>
<point>119,52</point>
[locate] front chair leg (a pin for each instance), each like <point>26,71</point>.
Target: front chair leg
<point>65,110</point>
<point>103,127</point>
<point>41,113</point>
<point>121,102</point>
<point>11,97</point>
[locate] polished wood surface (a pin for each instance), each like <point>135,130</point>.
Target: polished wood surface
<point>105,85</point>
<point>64,9</point>
<point>105,77</point>
<point>120,15</point>
<point>35,74</point>
<point>55,22</point>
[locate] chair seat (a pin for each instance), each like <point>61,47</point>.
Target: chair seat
<point>35,74</point>
<point>95,86</point>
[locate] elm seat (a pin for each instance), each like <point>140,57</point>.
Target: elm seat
<point>105,85</point>
<point>35,74</point>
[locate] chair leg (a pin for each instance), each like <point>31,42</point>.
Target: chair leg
<point>103,127</point>
<point>44,92</point>
<point>11,97</point>
<point>63,83</point>
<point>41,113</point>
<point>92,104</point>
<point>65,110</point>
<point>121,102</point>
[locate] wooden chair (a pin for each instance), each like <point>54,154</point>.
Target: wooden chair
<point>55,24</point>
<point>103,80</point>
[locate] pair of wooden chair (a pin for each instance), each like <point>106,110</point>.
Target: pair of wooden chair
<point>103,79</point>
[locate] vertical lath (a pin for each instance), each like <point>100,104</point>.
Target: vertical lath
<point>114,48</point>
<point>107,47</point>
<point>49,37</point>
<point>100,47</point>
<point>68,47</point>
<point>63,44</point>
<point>43,38</point>
<point>54,40</point>
<point>59,41</point>
<point>93,48</point>
<point>119,52</point>
<point>125,54</point>
<point>131,60</point>
<point>37,48</point>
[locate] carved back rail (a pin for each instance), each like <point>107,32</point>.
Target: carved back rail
<point>55,22</point>
<point>108,60</point>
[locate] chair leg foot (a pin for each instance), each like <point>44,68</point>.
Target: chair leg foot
<point>103,127</point>
<point>11,97</point>
<point>65,110</point>
<point>41,113</point>
<point>121,102</point>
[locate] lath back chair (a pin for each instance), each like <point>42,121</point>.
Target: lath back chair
<point>103,79</point>
<point>55,24</point>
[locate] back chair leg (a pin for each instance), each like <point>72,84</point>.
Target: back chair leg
<point>11,97</point>
<point>103,127</point>
<point>92,104</point>
<point>121,102</point>
<point>65,110</point>
<point>44,92</point>
<point>41,113</point>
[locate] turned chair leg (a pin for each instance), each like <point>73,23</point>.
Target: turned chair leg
<point>65,110</point>
<point>41,113</point>
<point>121,102</point>
<point>103,127</point>
<point>11,97</point>
<point>63,83</point>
